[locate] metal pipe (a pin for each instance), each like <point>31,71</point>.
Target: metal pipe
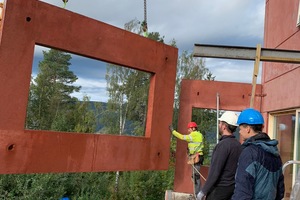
<point>218,102</point>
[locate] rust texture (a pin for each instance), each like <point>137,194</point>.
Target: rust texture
<point>31,22</point>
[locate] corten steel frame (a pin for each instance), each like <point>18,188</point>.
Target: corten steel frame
<point>31,22</point>
<point>202,94</point>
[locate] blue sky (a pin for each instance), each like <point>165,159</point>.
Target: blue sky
<point>216,22</point>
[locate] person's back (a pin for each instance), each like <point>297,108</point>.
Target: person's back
<point>230,148</point>
<point>259,171</point>
<point>220,180</point>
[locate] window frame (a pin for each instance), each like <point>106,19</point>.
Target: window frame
<point>298,16</point>
<point>273,134</point>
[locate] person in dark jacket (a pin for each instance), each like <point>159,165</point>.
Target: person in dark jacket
<point>259,173</point>
<point>220,181</point>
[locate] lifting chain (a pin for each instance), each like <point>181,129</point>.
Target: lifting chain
<point>145,11</point>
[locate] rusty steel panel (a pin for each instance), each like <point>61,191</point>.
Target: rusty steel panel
<point>202,94</point>
<point>31,22</point>
<point>59,152</point>
<point>233,96</point>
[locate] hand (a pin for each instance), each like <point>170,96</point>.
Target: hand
<point>200,196</point>
<point>171,128</point>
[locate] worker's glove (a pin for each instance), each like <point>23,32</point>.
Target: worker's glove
<point>171,128</point>
<point>200,196</point>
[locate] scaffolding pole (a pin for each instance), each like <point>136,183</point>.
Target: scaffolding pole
<point>218,103</point>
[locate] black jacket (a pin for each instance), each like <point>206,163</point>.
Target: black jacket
<point>223,163</point>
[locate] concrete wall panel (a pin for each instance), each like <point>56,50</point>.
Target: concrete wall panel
<point>281,80</point>
<point>280,22</point>
<point>282,92</point>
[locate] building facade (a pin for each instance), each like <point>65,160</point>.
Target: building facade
<point>277,97</point>
<point>280,82</point>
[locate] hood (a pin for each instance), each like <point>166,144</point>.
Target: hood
<point>263,140</point>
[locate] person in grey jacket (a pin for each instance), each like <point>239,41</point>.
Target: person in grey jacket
<point>220,181</point>
<point>259,173</point>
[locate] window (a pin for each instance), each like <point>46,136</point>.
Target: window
<point>285,127</point>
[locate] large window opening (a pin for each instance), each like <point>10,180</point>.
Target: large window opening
<point>71,93</point>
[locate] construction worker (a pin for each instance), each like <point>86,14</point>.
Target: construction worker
<point>259,172</point>
<point>220,181</point>
<point>195,151</point>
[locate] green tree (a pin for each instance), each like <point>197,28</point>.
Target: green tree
<point>80,186</point>
<point>189,68</point>
<point>50,101</point>
<point>127,105</point>
<point>86,115</point>
<point>127,94</point>
<point>150,185</point>
<point>136,26</point>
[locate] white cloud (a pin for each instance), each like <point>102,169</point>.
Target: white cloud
<point>188,22</point>
<point>217,22</point>
<point>232,70</point>
<point>38,50</point>
<point>88,83</point>
<point>95,89</point>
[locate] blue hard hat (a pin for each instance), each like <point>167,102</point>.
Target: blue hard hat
<point>250,116</point>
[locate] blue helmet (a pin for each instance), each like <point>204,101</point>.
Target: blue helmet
<point>250,116</point>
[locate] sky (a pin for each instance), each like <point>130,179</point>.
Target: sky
<point>189,22</point>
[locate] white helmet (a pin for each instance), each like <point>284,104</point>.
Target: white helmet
<point>229,117</point>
